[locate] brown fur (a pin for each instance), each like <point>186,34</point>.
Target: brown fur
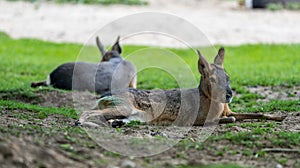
<point>199,106</point>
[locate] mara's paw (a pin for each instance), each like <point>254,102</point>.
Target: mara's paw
<point>77,123</point>
<point>225,120</point>
<point>116,123</point>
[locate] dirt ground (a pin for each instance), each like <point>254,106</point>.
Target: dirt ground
<point>223,22</point>
<point>47,142</point>
<point>276,92</point>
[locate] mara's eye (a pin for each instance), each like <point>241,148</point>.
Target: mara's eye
<point>213,80</point>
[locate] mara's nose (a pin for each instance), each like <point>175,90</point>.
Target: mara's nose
<point>229,96</point>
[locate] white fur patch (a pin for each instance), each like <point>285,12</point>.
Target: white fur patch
<point>230,99</point>
<point>48,81</point>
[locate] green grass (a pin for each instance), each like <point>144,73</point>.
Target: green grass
<point>260,133</point>
<point>253,139</point>
<point>275,105</point>
<point>279,6</point>
<point>27,60</point>
<point>211,166</point>
<point>293,6</point>
<point>263,64</point>
<point>40,112</point>
<point>275,6</point>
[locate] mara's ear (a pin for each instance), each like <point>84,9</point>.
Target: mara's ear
<point>116,46</point>
<point>203,65</point>
<point>219,59</point>
<point>100,46</point>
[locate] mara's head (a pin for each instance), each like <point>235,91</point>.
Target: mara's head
<point>214,82</point>
<point>114,52</point>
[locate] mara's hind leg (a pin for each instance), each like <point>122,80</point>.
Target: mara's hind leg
<point>243,116</point>
<point>222,120</point>
<point>226,120</point>
<point>116,117</point>
<point>95,118</point>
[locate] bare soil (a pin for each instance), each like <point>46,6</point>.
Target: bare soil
<point>53,98</point>
<point>56,142</point>
<point>276,92</point>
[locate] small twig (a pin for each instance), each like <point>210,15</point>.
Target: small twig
<point>281,150</point>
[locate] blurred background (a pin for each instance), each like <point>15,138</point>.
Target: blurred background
<point>230,22</point>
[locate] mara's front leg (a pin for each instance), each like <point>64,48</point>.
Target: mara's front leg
<point>217,114</point>
<point>226,111</point>
<point>116,115</point>
<point>225,116</point>
<point>95,118</point>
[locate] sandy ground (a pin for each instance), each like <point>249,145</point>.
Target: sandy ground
<point>223,22</point>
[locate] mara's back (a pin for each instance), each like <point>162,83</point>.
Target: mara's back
<point>114,76</point>
<point>64,75</point>
<point>100,77</point>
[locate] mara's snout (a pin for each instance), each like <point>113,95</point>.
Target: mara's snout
<point>229,96</point>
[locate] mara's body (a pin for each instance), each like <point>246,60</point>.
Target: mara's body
<point>84,76</point>
<point>206,104</point>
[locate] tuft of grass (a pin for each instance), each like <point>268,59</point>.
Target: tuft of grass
<point>133,123</point>
<point>255,138</point>
<point>67,147</point>
<point>273,105</point>
<point>280,6</point>
<point>186,144</point>
<point>275,6</point>
<point>293,5</point>
<point>210,166</point>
